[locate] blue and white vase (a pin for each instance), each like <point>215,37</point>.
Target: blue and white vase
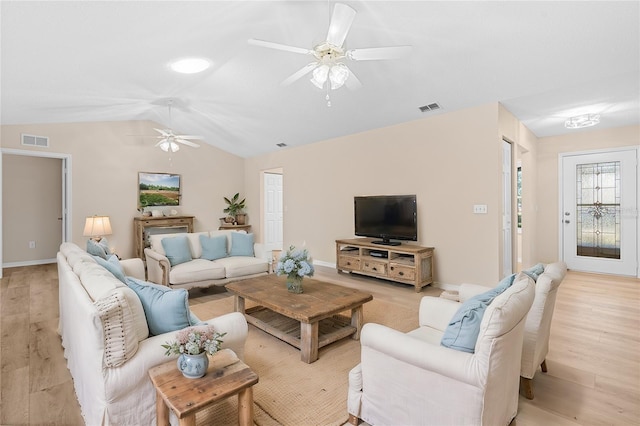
<point>193,366</point>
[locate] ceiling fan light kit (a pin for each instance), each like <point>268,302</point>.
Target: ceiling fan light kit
<point>190,65</point>
<point>328,68</point>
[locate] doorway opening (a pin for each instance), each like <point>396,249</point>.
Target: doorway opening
<point>272,209</point>
<point>62,217</point>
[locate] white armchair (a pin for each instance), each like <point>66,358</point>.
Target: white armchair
<point>410,379</point>
<point>537,327</point>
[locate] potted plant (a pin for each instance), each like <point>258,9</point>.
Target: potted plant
<point>193,344</point>
<point>234,209</point>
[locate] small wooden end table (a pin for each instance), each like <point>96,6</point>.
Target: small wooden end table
<point>226,376</point>
<point>307,321</point>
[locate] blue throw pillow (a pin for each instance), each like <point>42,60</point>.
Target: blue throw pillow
<point>462,332</point>
<point>112,264</point>
<point>100,248</point>
<point>177,250</point>
<point>213,247</point>
<point>241,244</point>
<point>166,309</point>
<point>535,271</point>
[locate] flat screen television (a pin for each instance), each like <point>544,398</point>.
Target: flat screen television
<point>388,217</point>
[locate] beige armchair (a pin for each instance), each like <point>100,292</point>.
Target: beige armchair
<point>411,379</point>
<point>537,328</point>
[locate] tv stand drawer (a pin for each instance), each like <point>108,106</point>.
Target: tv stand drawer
<point>374,267</point>
<point>349,262</point>
<point>402,272</point>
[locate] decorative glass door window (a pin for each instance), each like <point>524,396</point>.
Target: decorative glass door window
<point>598,210</point>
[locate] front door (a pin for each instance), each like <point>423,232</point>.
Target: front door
<point>599,213</point>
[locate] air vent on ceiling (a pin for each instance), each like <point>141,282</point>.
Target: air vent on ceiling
<point>281,145</point>
<point>431,107</point>
<point>33,140</point>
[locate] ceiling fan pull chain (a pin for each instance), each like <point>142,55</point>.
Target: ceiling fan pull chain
<point>327,97</point>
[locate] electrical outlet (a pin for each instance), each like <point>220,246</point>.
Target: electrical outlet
<point>32,244</point>
<point>480,209</point>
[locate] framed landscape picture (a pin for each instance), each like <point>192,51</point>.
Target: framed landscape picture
<point>158,189</point>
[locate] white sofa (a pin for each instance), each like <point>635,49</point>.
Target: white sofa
<point>106,340</point>
<point>411,379</point>
<point>199,272</point>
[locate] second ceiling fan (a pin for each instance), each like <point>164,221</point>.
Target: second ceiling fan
<point>328,67</point>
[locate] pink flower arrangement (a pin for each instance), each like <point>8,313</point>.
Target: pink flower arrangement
<point>195,340</point>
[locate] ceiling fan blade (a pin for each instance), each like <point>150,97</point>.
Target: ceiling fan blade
<point>300,73</point>
<point>163,132</point>
<point>352,82</point>
<point>278,46</point>
<point>188,137</point>
<point>186,142</point>
<point>378,53</point>
<point>340,24</point>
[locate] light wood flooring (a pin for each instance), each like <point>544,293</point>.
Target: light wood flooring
<point>593,365</point>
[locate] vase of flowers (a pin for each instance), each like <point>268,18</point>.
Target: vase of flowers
<point>295,264</point>
<point>193,344</point>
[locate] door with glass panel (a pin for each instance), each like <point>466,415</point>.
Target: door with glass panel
<point>599,212</point>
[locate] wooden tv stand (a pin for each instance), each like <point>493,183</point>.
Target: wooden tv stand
<point>405,263</point>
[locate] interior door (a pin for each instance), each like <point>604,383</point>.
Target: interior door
<point>599,212</point>
<point>273,206</point>
<point>507,199</point>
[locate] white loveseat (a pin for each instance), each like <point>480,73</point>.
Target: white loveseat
<point>411,379</point>
<point>106,340</point>
<point>200,272</point>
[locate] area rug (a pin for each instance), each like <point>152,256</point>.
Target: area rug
<point>291,392</point>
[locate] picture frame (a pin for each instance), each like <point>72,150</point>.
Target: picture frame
<point>158,189</point>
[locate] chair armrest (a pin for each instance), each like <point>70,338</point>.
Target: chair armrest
<point>235,325</point>
<point>133,268</point>
<point>158,267</point>
<point>398,348</point>
<point>436,312</point>
<point>467,291</point>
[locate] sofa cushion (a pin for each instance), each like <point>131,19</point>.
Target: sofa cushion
<point>194,243</point>
<point>463,329</point>
<point>196,270</point>
<point>213,247</point>
<point>241,244</point>
<point>96,280</point>
<point>177,250</point>
<point>238,266</point>
<point>111,264</point>
<point>166,309</point>
<point>100,248</point>
<point>118,328</point>
<point>156,241</point>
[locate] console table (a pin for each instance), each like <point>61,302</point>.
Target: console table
<point>158,225</point>
<point>405,263</point>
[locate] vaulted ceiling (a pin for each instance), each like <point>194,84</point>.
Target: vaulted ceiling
<point>73,61</point>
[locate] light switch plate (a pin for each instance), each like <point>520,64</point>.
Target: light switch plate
<point>480,209</point>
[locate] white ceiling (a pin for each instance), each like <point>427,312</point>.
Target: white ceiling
<point>72,61</point>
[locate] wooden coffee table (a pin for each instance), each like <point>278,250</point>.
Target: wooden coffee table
<point>307,321</point>
<point>226,376</point>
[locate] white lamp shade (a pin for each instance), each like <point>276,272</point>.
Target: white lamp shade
<point>97,226</point>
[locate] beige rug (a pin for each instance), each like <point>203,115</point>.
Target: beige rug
<point>291,392</point>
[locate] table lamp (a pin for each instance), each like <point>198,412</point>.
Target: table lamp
<point>97,226</point>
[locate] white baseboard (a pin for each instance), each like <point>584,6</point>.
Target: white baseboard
<point>28,263</point>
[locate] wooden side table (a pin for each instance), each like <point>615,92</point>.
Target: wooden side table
<point>226,376</point>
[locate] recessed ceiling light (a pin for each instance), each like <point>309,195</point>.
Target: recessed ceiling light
<point>190,65</point>
<point>581,121</point>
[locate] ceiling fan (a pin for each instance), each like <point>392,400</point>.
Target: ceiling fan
<point>328,67</point>
<point>168,140</point>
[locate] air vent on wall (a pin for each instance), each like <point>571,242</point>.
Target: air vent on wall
<point>430,107</point>
<point>281,145</point>
<point>33,140</point>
